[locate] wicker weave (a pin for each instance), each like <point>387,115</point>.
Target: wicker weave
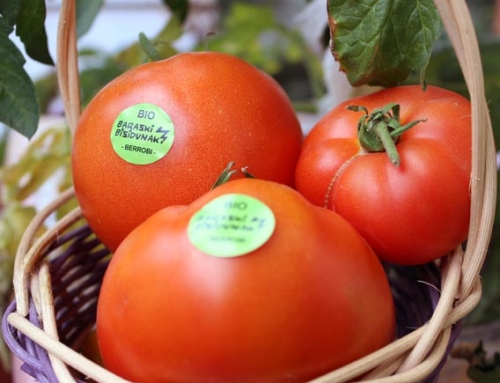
<point>57,275</point>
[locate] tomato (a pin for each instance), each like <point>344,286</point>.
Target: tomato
<point>410,213</point>
<point>161,133</point>
<point>249,283</point>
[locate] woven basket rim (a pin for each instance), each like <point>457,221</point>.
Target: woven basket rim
<point>408,359</point>
<point>387,360</point>
<point>382,361</point>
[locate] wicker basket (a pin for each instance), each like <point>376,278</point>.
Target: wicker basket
<point>57,275</point>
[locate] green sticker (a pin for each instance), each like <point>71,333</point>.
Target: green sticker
<point>142,134</point>
<point>231,225</point>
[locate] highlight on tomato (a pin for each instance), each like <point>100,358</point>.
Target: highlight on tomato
<point>396,164</point>
<point>249,283</point>
<point>160,134</point>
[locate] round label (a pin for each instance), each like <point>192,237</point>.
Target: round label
<point>231,225</point>
<point>142,134</point>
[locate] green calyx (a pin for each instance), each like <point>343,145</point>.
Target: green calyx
<point>380,130</point>
<point>228,172</point>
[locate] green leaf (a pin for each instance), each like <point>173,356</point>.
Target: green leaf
<point>149,48</point>
<point>180,8</point>
<point>162,43</point>
<point>86,12</point>
<point>161,46</point>
<point>18,103</point>
<point>381,42</point>
<point>31,30</point>
<point>10,9</point>
<point>8,47</point>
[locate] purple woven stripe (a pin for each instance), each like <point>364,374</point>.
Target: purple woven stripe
<point>35,359</point>
<point>76,274</point>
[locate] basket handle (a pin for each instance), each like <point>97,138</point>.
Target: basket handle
<point>459,25</point>
<point>67,63</point>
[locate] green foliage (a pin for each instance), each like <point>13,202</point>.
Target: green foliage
<point>101,68</point>
<point>180,8</point>
<point>381,42</point>
<point>149,48</point>
<point>94,77</point>
<point>10,10</point>
<point>161,46</point>
<point>251,32</point>
<point>47,155</point>
<point>86,12</point>
<point>30,27</point>
<point>18,102</point>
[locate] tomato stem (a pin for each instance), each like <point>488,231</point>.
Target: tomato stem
<point>228,172</point>
<point>381,130</point>
<point>225,175</point>
<point>246,173</point>
<point>387,143</point>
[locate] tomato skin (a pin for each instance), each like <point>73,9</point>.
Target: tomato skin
<point>312,298</point>
<point>223,110</point>
<point>411,214</point>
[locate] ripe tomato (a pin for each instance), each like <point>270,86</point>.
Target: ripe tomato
<point>412,213</point>
<point>249,283</point>
<point>161,134</point>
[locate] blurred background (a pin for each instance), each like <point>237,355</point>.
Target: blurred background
<point>286,38</point>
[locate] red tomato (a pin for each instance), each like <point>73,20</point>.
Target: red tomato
<point>412,213</point>
<point>311,297</point>
<point>161,134</point>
